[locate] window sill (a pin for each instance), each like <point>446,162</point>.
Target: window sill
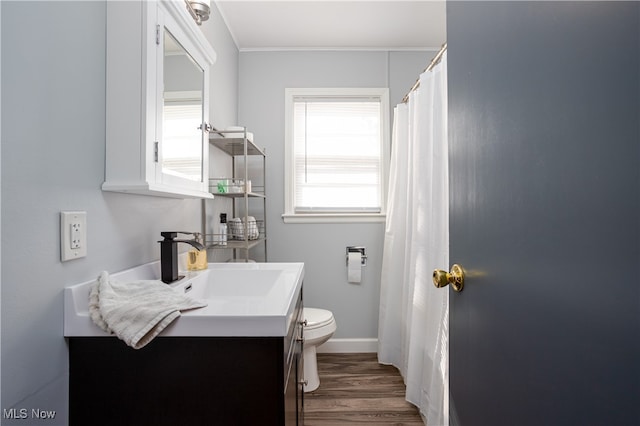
<point>334,218</point>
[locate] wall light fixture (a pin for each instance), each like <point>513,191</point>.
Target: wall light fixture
<point>199,10</point>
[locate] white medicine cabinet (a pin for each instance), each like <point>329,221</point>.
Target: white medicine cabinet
<point>157,70</point>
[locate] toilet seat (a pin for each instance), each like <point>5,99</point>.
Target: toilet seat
<point>317,318</point>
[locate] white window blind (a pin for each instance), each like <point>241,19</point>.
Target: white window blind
<point>182,140</point>
<point>337,154</point>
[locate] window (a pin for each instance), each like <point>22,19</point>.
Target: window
<point>336,154</point>
<point>182,137</point>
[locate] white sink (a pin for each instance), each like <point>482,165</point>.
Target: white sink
<point>250,284</point>
<point>244,299</point>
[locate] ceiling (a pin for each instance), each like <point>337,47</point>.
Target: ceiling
<point>335,24</point>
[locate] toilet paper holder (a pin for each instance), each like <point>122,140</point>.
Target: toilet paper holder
<point>356,249</point>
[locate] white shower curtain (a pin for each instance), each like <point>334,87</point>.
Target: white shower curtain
<point>414,315</point>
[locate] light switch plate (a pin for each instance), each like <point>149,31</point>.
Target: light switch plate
<point>73,235</point>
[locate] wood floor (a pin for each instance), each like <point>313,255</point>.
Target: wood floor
<point>355,389</point>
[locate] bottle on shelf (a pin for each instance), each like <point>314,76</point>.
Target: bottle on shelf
<point>222,230</point>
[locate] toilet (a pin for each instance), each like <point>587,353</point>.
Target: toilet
<point>319,327</point>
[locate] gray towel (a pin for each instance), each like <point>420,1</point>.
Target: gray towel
<point>136,311</point>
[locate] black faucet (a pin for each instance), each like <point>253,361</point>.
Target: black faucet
<point>169,255</point>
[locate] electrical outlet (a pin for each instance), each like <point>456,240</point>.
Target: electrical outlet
<point>73,235</point>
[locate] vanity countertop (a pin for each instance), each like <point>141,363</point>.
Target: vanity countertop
<point>244,300</point>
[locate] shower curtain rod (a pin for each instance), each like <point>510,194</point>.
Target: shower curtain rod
<point>435,61</point>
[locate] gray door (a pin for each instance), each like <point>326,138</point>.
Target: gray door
<point>544,145</point>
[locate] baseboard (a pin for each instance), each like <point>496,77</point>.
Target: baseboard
<point>349,346</point>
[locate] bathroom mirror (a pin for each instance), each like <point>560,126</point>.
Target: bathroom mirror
<point>182,112</point>
<point>158,71</point>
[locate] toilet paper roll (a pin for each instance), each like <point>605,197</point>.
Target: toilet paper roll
<point>354,267</point>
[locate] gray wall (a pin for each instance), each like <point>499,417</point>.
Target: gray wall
<point>53,142</point>
<point>263,78</point>
<point>223,111</point>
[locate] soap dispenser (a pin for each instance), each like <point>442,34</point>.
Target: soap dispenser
<point>197,259</point>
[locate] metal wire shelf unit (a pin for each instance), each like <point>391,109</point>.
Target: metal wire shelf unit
<point>239,145</point>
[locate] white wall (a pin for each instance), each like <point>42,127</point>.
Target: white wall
<point>263,78</point>
<point>53,142</point>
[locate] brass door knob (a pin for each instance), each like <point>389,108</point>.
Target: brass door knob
<point>455,278</point>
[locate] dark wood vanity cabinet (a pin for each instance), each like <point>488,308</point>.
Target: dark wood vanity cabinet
<point>294,370</point>
<point>226,381</point>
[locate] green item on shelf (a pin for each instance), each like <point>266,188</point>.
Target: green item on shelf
<point>221,188</point>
